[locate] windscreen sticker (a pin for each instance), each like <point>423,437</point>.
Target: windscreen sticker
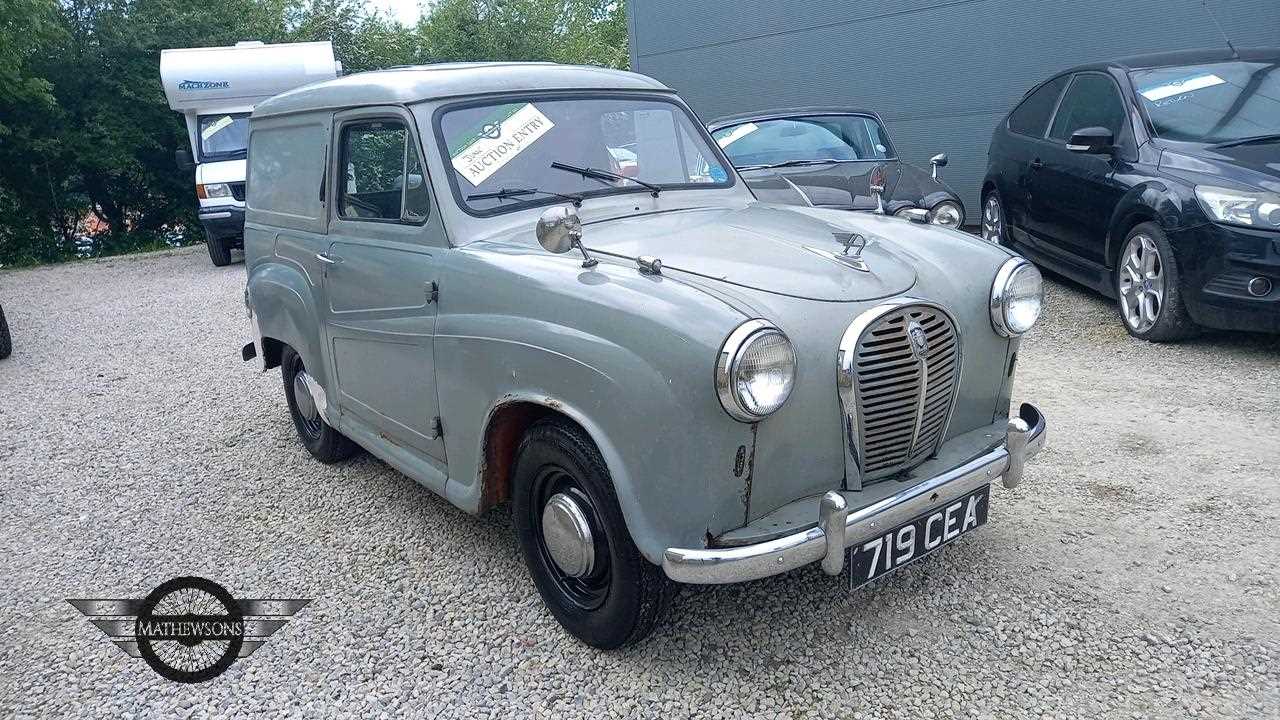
<point>1178,87</point>
<point>497,141</point>
<point>212,128</point>
<point>737,134</point>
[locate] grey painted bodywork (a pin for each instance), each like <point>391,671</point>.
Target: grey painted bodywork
<point>628,356</point>
<point>941,74</point>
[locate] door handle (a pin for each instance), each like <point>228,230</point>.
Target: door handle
<point>328,259</point>
<point>1036,164</point>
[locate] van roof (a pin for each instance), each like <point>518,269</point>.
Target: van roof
<point>404,85</point>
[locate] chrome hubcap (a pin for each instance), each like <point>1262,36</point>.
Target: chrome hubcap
<point>991,225</point>
<point>1141,283</point>
<point>302,396</point>
<point>306,403</point>
<point>567,536</point>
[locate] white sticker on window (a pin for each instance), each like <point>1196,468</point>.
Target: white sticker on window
<point>1178,87</point>
<point>498,141</point>
<point>212,128</point>
<point>737,133</point>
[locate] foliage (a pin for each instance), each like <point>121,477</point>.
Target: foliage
<point>87,138</point>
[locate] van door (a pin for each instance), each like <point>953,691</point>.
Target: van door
<point>380,281</point>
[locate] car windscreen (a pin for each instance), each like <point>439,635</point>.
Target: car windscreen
<point>223,137</point>
<point>801,139</point>
<point>511,145</point>
<point>1211,103</point>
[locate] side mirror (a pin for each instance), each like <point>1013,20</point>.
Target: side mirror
<point>938,161</point>
<point>1091,140</point>
<point>182,157</point>
<point>559,230</point>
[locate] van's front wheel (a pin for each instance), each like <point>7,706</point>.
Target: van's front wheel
<point>219,251</point>
<point>324,442</point>
<point>574,540</point>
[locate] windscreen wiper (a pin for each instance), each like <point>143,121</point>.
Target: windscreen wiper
<point>1273,137</point>
<point>509,193</point>
<point>795,163</point>
<point>598,174</point>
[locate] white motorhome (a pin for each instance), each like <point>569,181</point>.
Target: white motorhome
<point>215,88</point>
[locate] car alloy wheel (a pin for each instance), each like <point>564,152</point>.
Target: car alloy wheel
<point>572,544</point>
<point>1141,283</point>
<point>992,219</point>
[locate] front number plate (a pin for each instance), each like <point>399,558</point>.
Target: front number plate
<point>917,538</point>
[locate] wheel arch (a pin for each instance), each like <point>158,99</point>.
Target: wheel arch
<point>281,301</point>
<point>1149,202</point>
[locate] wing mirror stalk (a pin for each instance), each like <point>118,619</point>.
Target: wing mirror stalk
<point>938,161</point>
<point>559,230</point>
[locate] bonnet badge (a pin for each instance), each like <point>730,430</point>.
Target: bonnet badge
<point>919,340</point>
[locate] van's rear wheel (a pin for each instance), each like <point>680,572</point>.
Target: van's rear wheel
<point>319,438</point>
<point>574,540</point>
<point>219,251</point>
<point>6,343</point>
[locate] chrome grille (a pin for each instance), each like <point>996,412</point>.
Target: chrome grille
<point>903,397</point>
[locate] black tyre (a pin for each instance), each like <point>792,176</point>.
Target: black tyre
<point>323,442</point>
<point>597,584</point>
<point>6,342</point>
<point>1149,288</point>
<point>219,251</point>
<point>994,229</point>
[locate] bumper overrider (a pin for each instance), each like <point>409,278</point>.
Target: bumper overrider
<point>839,528</point>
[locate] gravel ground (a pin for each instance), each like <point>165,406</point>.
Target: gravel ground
<point>1133,575</point>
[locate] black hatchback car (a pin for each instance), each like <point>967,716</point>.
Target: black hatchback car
<point>1154,180</point>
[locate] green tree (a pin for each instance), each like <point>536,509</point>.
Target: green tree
<point>588,32</point>
<point>85,130</point>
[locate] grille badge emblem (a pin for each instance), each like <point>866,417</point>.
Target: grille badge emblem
<point>919,340</point>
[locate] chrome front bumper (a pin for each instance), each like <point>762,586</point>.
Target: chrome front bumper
<point>839,528</point>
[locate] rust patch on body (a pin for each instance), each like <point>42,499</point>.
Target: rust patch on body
<point>506,428</point>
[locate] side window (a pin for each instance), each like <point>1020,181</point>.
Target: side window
<point>382,177</point>
<point>1031,117</point>
<point>285,171</point>
<point>1092,101</point>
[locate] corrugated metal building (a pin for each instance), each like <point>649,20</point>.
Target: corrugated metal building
<point>941,73</point>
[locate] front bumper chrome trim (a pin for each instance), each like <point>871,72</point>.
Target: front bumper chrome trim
<point>839,528</point>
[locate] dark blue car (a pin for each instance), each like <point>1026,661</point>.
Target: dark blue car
<point>1154,180</point>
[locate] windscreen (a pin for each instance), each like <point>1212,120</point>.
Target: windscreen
<point>223,137</point>
<point>511,145</point>
<point>805,139</point>
<point>1211,103</point>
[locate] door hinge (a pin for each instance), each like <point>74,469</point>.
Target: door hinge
<point>437,429</point>
<point>432,291</point>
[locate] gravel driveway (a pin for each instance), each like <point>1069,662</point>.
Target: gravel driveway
<point>1133,575</point>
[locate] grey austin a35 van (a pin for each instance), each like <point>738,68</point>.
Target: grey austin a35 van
<point>545,286</point>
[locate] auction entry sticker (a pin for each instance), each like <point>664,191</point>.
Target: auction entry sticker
<point>501,137</point>
<point>1179,87</point>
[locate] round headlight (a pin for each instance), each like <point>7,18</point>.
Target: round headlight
<point>755,371</point>
<point>1016,297</point>
<point>946,214</point>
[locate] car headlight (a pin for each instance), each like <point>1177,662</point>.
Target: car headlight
<point>947,214</point>
<point>1016,297</point>
<point>212,191</point>
<point>1240,207</point>
<point>755,371</point>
